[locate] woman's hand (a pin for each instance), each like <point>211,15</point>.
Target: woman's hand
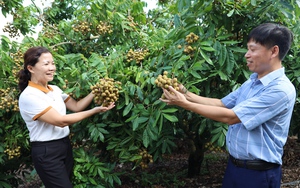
<point>104,109</point>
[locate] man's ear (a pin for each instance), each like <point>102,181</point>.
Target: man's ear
<point>275,51</point>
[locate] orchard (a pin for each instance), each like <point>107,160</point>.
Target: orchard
<point>117,47</point>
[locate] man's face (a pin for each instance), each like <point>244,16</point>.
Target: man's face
<point>259,58</point>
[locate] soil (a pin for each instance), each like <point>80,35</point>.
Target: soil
<point>172,171</point>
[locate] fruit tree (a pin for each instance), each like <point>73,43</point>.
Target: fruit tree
<point>116,46</point>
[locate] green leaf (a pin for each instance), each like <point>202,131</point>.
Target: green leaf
<point>113,125</point>
<point>209,49</point>
<point>197,65</point>
<point>142,119</point>
<point>222,75</point>
<point>138,121</point>
<point>253,2</point>
<point>201,128</point>
<point>207,59</point>
<point>206,43</point>
<point>131,118</point>
<point>146,139</point>
<point>132,89</point>
<point>140,93</point>
<point>217,130</point>
<point>164,146</point>
<point>5,42</point>
<point>230,13</point>
<point>222,55</point>
<point>138,77</point>
<point>127,109</point>
<point>177,21</point>
<point>215,137</point>
<point>150,133</point>
<point>221,140</point>
<point>195,74</point>
<point>100,173</point>
<point>169,110</point>
<point>230,61</point>
<point>170,117</point>
<point>240,50</point>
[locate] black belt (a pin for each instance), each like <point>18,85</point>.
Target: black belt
<point>253,164</point>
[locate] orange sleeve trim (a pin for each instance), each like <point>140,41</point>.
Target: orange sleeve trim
<point>42,113</point>
<point>66,100</point>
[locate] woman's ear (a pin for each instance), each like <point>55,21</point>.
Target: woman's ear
<point>30,68</point>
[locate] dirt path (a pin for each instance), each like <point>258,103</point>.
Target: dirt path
<point>171,172</point>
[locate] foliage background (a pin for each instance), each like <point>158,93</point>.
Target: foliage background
<point>91,39</point>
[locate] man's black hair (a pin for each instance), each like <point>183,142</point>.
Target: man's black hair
<point>271,34</point>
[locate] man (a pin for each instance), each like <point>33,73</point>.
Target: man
<point>258,113</point>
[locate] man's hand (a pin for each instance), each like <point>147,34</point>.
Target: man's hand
<point>182,89</point>
<point>173,97</point>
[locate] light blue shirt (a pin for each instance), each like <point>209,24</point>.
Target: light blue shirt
<point>264,107</point>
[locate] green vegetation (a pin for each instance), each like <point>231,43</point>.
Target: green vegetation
<point>201,43</point>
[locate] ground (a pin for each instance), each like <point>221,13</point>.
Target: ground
<point>171,172</point>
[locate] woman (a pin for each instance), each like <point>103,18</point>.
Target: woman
<point>43,108</point>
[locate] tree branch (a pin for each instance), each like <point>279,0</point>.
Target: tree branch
<point>62,43</point>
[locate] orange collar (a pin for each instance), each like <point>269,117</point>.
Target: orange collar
<point>43,89</point>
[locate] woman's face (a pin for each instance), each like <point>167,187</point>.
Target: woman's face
<point>43,71</point>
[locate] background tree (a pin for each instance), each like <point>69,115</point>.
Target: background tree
<point>200,43</point>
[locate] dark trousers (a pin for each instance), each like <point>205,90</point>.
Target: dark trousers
<point>53,161</point>
<point>239,177</point>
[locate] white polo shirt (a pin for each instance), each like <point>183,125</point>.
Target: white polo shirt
<point>35,101</point>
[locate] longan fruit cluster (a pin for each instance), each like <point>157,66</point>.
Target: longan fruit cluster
<point>12,153</point>
<point>49,34</point>
<point>16,15</point>
<point>191,38</point>
<point>164,81</point>
<point>83,27</point>
<point>17,57</point>
<point>11,30</point>
<point>104,27</point>
<point>189,50</point>
<point>8,100</point>
<point>18,60</point>
<point>138,55</point>
<point>131,20</point>
<point>106,91</point>
<point>65,86</point>
<point>50,30</point>
<point>211,147</point>
<point>146,158</point>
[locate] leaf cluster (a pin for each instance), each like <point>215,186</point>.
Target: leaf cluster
<point>213,65</point>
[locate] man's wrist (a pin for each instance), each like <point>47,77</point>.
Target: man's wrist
<point>184,90</point>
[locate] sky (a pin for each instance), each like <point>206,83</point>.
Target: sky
<point>43,3</point>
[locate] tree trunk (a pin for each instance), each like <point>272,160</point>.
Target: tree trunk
<point>195,158</point>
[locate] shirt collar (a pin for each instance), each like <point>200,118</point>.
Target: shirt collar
<point>45,90</point>
<point>265,80</point>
